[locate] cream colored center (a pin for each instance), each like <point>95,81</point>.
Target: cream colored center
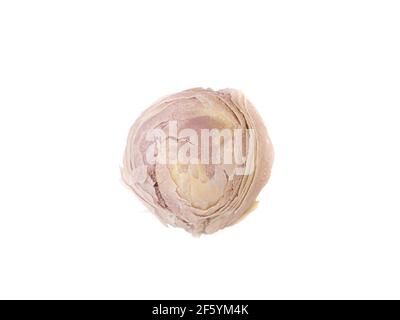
<point>194,186</point>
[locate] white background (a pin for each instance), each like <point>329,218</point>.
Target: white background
<point>325,75</point>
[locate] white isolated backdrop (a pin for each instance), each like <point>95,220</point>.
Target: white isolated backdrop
<point>74,75</point>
